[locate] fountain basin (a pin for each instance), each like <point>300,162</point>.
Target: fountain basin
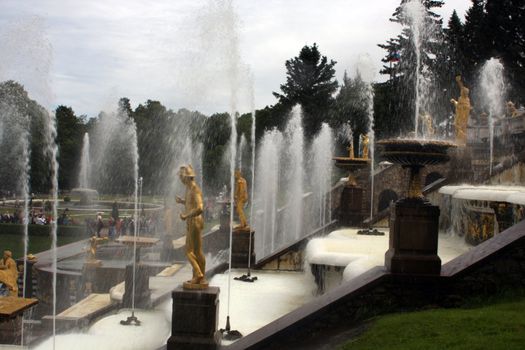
<point>415,152</point>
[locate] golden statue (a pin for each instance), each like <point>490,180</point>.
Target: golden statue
<point>194,226</point>
<point>351,150</point>
<point>427,123</point>
<point>462,112</point>
<point>365,140</point>
<point>511,109</point>
<point>241,197</point>
<point>9,273</point>
<point>92,252</point>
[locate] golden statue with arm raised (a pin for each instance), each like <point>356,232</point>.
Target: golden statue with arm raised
<point>193,209</point>
<point>462,112</point>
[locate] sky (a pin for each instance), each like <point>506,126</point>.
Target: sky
<point>88,54</point>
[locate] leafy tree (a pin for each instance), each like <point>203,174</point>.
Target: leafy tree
<point>310,82</point>
<point>70,131</point>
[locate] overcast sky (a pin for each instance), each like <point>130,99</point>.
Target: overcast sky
<point>87,54</point>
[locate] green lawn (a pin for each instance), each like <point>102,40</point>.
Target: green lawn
<point>36,243</point>
<point>497,326</point>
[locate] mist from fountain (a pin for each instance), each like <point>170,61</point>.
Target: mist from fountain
<point>15,147</point>
<point>83,176</point>
<point>492,86</point>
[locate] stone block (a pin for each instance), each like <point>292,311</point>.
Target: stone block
<point>194,319</point>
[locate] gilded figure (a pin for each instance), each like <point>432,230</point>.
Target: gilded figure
<point>9,273</point>
<point>462,112</point>
<point>241,197</point>
<point>193,209</point>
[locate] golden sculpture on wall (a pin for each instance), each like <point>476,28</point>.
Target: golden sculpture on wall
<point>193,209</point>
<point>9,273</point>
<point>462,113</point>
<point>241,197</point>
<point>365,140</point>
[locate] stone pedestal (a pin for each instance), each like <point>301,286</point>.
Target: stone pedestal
<point>142,292</point>
<point>29,282</point>
<point>351,209</point>
<point>241,248</point>
<point>194,320</point>
<point>413,238</point>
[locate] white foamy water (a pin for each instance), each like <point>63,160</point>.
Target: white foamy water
<point>109,334</point>
<point>274,294</point>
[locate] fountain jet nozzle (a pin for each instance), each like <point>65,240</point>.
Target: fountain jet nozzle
<point>131,320</point>
<point>227,333</point>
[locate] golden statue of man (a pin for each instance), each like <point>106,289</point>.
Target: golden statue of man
<point>351,150</point>
<point>194,225</point>
<point>462,112</point>
<point>241,197</point>
<point>9,273</point>
<point>365,140</point>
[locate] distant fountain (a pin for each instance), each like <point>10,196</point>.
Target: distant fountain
<point>294,172</point>
<point>492,86</point>
<point>242,150</point>
<point>83,177</point>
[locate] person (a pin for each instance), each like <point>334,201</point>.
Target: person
<point>9,273</point>
<point>100,224</point>
<point>194,225</point>
<point>114,211</point>
<point>241,197</point>
<point>462,112</point>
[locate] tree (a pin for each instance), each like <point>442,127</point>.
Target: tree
<point>505,28</point>
<point>310,82</point>
<point>351,106</point>
<point>70,131</point>
<point>400,63</point>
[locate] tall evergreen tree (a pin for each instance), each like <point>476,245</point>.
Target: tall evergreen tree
<point>310,81</point>
<point>400,63</point>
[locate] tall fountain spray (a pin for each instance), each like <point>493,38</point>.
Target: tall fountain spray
<point>366,69</point>
<point>83,177</point>
<point>492,86</point>
<point>321,179</point>
<point>294,176</point>
<point>423,30</point>
<point>266,190</point>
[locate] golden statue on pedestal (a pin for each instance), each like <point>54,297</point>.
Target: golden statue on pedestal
<point>365,140</point>
<point>94,241</point>
<point>351,150</point>
<point>511,109</point>
<point>194,225</point>
<point>241,197</point>
<point>462,112</point>
<point>9,273</point>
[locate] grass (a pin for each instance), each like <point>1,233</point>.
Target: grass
<point>37,244</point>
<point>497,326</point>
